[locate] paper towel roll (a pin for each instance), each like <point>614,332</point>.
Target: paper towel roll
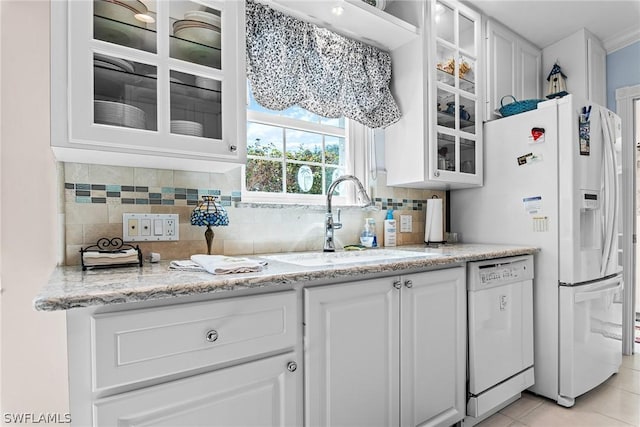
<point>433,230</point>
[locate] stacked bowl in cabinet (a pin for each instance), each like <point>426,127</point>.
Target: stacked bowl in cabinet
<point>186,127</point>
<point>118,114</point>
<point>109,86</point>
<point>199,27</point>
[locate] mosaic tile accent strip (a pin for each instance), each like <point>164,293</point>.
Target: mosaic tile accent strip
<point>176,196</point>
<point>143,195</point>
<point>400,204</point>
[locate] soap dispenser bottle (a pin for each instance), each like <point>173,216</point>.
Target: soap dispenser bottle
<point>390,229</point>
<point>366,237</point>
<point>372,228</point>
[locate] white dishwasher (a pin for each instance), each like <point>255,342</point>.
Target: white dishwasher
<point>500,317</point>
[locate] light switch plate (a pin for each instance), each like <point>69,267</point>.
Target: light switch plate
<point>149,227</point>
<point>406,224</point>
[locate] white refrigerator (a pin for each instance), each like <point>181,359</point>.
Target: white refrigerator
<point>552,180</point>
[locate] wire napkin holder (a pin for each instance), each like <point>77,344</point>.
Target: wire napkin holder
<point>110,253</point>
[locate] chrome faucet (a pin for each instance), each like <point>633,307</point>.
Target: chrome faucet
<point>329,224</point>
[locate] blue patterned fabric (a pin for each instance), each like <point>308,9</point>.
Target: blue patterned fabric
<point>292,62</point>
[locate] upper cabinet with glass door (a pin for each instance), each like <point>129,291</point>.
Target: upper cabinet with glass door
<point>456,105</point>
<point>438,141</point>
<point>150,83</point>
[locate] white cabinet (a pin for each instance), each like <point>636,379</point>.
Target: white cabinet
<point>215,363</point>
<point>583,60</point>
<point>167,92</point>
<point>356,19</point>
<point>514,67</point>
<point>437,83</point>
<point>387,352</point>
<point>258,393</point>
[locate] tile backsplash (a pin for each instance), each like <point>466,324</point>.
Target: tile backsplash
<point>96,196</point>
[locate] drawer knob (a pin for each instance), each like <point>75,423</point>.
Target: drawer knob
<point>292,366</point>
<point>212,335</point>
<point>408,284</point>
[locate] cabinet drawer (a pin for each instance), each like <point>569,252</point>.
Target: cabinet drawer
<point>138,345</point>
<point>258,393</point>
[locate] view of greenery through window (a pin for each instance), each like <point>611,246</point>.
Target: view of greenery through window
<point>292,151</point>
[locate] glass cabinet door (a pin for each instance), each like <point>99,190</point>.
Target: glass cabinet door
<point>161,72</point>
<point>195,99</point>
<point>126,92</point>
<point>456,39</point>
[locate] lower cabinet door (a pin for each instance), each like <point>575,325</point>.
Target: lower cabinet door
<point>433,348</point>
<point>351,354</point>
<point>260,393</point>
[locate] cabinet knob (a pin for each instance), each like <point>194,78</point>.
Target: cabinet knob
<point>408,283</point>
<point>233,148</point>
<point>292,366</point>
<point>436,174</point>
<point>212,335</point>
<point>397,284</point>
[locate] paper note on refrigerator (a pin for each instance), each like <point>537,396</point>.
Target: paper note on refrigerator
<point>540,223</point>
<point>532,205</point>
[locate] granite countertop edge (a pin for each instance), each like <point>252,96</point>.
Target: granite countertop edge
<point>69,287</point>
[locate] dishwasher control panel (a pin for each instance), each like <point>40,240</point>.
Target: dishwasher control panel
<point>500,271</point>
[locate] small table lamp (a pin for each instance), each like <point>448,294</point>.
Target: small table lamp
<point>210,213</point>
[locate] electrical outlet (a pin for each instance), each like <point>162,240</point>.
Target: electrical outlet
<point>149,227</point>
<point>170,230</point>
<point>406,223</point>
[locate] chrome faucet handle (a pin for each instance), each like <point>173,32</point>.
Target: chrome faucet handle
<point>338,224</point>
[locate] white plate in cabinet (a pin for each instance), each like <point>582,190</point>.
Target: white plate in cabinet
<point>259,393</point>
<point>137,345</point>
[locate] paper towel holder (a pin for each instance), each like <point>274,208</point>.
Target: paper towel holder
<point>433,229</point>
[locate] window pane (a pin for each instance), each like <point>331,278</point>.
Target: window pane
<point>299,113</point>
<point>339,122</point>
<point>334,150</point>
<point>264,140</point>
<point>304,146</point>
<point>264,175</point>
<point>332,175</point>
<point>298,186</point>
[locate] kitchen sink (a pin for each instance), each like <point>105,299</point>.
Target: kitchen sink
<point>315,259</point>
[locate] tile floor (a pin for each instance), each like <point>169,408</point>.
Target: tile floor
<point>614,403</point>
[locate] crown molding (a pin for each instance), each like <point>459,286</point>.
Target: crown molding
<point>621,40</point>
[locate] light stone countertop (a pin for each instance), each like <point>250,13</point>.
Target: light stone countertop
<point>70,287</point>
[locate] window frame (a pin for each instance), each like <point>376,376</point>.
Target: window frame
<point>356,136</point>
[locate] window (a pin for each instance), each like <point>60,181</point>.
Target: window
<point>294,155</point>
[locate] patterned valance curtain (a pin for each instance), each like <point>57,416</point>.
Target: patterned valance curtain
<point>294,62</point>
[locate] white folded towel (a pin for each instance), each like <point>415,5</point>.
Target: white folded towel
<point>220,264</point>
<point>97,258</point>
<point>185,265</point>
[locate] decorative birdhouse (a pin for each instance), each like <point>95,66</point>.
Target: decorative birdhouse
<point>557,86</point>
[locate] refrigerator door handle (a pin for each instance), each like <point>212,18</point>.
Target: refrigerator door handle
<point>611,203</point>
<point>614,285</point>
